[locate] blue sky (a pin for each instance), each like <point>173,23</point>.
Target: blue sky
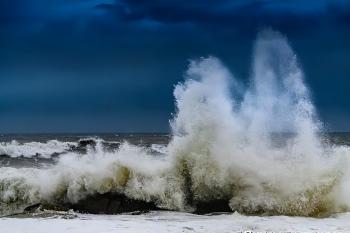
<point>110,66</point>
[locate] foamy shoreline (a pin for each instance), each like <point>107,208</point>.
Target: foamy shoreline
<point>175,222</point>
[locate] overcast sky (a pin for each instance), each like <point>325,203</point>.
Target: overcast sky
<point>111,66</point>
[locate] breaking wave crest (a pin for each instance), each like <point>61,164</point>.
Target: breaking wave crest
<point>34,149</point>
<point>223,148</point>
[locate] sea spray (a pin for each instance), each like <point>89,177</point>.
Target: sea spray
<point>222,149</point>
<point>227,146</point>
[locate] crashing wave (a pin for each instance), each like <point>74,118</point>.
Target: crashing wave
<point>222,149</point>
<point>35,149</point>
<point>53,148</point>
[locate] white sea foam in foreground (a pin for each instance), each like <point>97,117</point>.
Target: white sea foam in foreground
<point>175,222</point>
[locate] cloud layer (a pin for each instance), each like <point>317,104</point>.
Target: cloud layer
<point>66,63</point>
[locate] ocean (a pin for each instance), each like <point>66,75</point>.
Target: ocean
<point>42,151</point>
<point>256,160</point>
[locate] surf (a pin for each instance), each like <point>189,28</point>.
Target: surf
<point>222,149</point>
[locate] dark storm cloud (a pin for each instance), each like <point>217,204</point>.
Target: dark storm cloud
<point>110,65</point>
<point>221,13</point>
<point>225,12</point>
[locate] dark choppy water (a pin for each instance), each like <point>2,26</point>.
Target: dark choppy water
<point>339,138</point>
<point>33,150</point>
<point>134,138</point>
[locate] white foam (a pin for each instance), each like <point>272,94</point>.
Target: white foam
<point>162,149</point>
<point>30,149</point>
<point>227,144</point>
<point>175,222</point>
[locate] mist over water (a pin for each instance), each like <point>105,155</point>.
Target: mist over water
<point>222,148</point>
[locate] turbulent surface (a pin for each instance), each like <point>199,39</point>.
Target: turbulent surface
<point>45,150</point>
<point>260,149</point>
